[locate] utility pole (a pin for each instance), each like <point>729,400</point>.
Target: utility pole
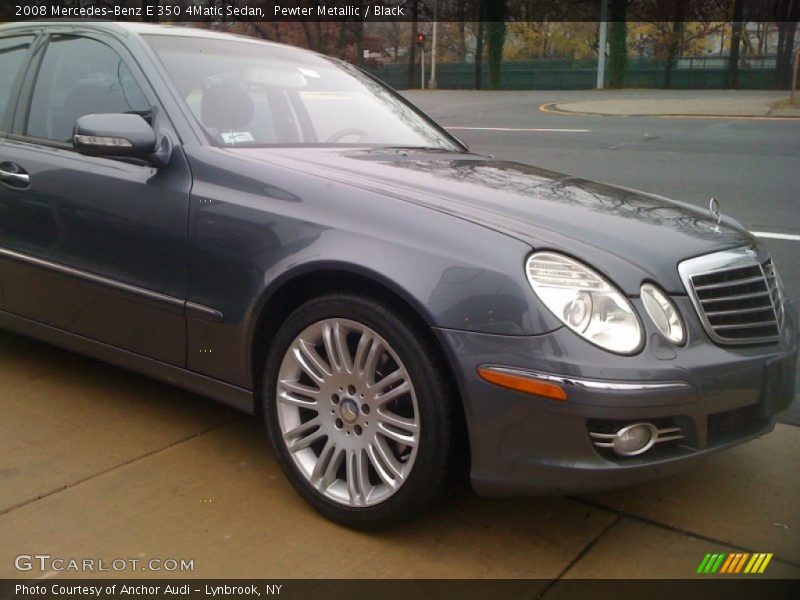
<point>421,46</point>
<point>794,75</point>
<point>422,64</point>
<point>601,47</point>
<point>433,45</point>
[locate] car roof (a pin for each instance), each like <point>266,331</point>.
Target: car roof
<point>143,29</point>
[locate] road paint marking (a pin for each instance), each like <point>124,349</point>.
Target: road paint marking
<point>544,129</point>
<point>776,236</point>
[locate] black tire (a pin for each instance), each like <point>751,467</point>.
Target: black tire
<point>431,470</point>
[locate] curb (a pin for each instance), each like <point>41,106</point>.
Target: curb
<point>554,108</point>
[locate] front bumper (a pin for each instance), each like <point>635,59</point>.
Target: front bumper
<point>526,444</point>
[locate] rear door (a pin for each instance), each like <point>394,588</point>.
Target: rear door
<point>94,246</point>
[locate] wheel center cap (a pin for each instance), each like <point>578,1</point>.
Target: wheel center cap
<point>348,410</point>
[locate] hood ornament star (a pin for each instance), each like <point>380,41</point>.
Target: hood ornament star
<point>713,208</point>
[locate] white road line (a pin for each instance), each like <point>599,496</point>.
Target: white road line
<point>776,236</point>
<point>546,130</point>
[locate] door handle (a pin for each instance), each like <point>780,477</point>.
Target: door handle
<point>14,175</point>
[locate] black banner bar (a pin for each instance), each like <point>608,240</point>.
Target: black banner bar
<point>657,11</point>
<point>732,588</point>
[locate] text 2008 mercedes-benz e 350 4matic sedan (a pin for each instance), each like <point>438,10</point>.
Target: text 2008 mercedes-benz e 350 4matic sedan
<point>278,230</point>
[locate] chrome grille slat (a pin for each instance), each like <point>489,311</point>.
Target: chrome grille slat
<point>741,311</point>
<point>713,286</point>
<point>736,294</point>
<point>735,297</point>
<point>749,325</point>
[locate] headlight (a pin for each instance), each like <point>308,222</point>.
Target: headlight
<point>585,302</point>
<point>663,313</point>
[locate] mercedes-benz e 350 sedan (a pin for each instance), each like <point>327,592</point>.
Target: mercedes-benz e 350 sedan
<point>279,231</point>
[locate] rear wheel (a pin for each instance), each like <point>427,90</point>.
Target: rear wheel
<point>359,411</point>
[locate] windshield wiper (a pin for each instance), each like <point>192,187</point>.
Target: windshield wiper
<point>423,148</point>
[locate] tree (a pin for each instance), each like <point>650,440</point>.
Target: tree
<point>678,26</point>
<point>787,14</point>
<point>736,38</point>
<point>618,44</point>
<point>481,10</point>
<point>495,39</point>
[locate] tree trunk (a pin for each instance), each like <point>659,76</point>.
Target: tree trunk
<point>342,41</point>
<point>787,14</point>
<point>321,43</point>
<point>479,55</point>
<point>673,47</point>
<point>462,32</point>
<point>618,45</point>
<point>359,26</point>
<point>733,58</point>
<point>309,35</point>
<point>736,38</point>
<point>668,72</point>
<point>496,35</point>
<point>495,38</point>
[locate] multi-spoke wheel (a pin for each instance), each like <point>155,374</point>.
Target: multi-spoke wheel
<point>357,413</point>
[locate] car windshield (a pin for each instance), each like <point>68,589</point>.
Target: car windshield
<point>251,93</point>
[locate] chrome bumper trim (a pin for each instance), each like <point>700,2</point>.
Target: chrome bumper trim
<point>592,384</point>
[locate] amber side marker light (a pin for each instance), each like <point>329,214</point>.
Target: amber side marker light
<point>518,383</point>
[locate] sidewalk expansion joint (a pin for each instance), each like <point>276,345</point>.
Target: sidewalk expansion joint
<point>581,553</point>
<point>674,529</point>
<point>125,463</point>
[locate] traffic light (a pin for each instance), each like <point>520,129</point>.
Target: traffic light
<point>421,40</point>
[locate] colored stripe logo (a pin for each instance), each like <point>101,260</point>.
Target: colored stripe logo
<point>737,562</point>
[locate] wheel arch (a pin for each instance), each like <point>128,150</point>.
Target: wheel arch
<point>316,279</point>
<point>286,294</point>
<point>303,284</point>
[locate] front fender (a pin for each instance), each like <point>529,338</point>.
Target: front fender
<point>248,239</point>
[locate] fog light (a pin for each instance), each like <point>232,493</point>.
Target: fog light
<point>635,439</point>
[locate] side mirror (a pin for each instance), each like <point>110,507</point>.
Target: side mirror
<point>120,135</point>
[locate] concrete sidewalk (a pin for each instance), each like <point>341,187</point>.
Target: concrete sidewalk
<point>710,103</point>
<point>96,462</point>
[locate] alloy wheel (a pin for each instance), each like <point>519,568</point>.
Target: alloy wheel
<point>347,412</point>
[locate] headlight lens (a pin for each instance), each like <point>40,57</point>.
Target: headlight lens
<point>585,302</point>
<point>663,313</point>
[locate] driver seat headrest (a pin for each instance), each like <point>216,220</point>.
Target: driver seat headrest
<point>226,107</point>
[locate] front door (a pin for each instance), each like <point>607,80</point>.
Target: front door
<point>93,246</point>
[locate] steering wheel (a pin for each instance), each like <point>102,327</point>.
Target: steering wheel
<point>337,135</point>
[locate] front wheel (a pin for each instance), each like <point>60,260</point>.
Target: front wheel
<point>358,408</point>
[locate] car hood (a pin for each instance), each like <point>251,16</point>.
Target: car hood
<point>629,235</point>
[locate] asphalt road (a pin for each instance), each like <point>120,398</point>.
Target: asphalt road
<point>752,166</point>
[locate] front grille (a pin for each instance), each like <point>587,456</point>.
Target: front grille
<point>726,425</point>
<point>739,302</point>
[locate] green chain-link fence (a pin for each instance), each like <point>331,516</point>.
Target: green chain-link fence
<point>555,74</point>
